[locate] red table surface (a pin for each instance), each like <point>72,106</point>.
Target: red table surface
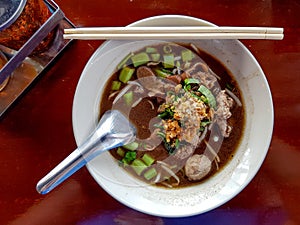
<point>36,133</point>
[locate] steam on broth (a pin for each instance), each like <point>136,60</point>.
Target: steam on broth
<point>187,110</point>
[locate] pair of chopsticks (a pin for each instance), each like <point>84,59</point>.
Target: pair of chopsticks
<point>181,32</point>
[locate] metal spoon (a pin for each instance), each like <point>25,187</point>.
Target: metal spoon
<point>113,130</point>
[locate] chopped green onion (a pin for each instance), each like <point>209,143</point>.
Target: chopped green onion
<point>187,55</point>
<point>128,98</point>
<point>160,73</point>
<point>129,157</point>
<point>170,149</point>
<point>124,61</point>
<point>205,123</point>
<point>187,88</point>
<point>151,50</point>
<point>203,99</point>
<point>151,173</point>
<point>140,59</point>
<point>188,82</point>
<point>115,85</point>
<point>155,57</point>
<point>210,97</point>
<point>121,152</point>
<point>122,163</point>
<point>191,81</point>
<point>199,97</point>
<point>167,114</point>
<point>163,115</point>
<point>158,126</point>
<point>229,86</point>
<point>148,160</point>
<point>126,74</point>
<point>138,166</point>
<point>167,71</point>
<point>167,49</point>
<point>177,143</point>
<point>168,61</point>
<point>131,146</point>
<point>161,134</point>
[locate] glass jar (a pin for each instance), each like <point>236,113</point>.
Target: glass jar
<point>20,19</point>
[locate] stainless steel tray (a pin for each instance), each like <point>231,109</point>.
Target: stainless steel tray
<point>23,68</point>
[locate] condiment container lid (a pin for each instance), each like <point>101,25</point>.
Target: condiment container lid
<point>10,10</point>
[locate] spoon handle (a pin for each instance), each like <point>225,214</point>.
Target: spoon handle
<point>61,172</point>
<point>113,130</point>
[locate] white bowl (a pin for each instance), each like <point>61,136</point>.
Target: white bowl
<point>221,187</point>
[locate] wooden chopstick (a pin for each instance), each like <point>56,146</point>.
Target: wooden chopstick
<point>190,32</point>
<point>173,36</point>
<point>180,29</point>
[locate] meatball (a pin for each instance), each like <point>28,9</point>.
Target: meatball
<point>197,167</point>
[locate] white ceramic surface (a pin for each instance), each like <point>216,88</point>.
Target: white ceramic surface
<point>225,184</point>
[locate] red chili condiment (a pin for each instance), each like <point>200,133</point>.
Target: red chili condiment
<point>34,14</point>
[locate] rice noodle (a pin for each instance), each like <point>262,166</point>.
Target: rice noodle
<point>125,89</point>
<point>153,63</point>
<point>213,73</point>
<point>157,179</point>
<point>172,174</point>
<point>151,103</point>
<point>212,151</point>
<point>151,94</point>
<point>217,164</point>
<point>113,94</point>
<point>133,82</point>
<point>163,163</point>
<point>199,53</point>
<point>136,102</point>
<point>234,97</point>
<point>149,147</point>
<point>177,58</point>
<point>168,169</point>
<point>166,184</point>
<point>195,48</point>
<point>201,138</point>
<point>121,93</point>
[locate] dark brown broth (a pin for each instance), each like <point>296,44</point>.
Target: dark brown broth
<point>143,110</point>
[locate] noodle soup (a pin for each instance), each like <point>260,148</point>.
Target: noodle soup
<point>187,109</point>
